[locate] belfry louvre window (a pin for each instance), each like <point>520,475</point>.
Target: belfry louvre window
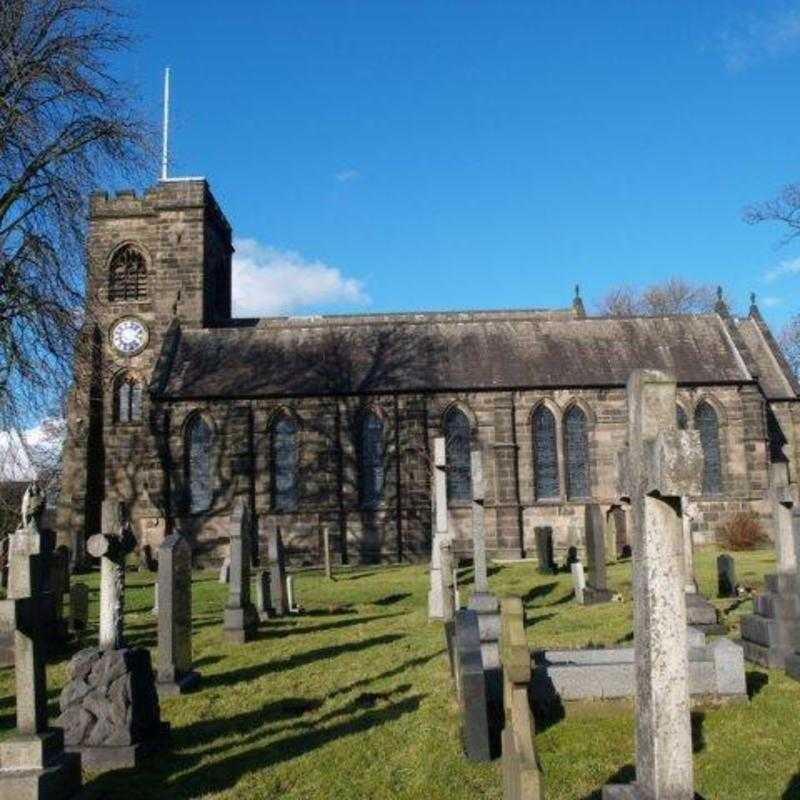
<point>707,424</point>
<point>545,454</point>
<point>197,463</point>
<point>127,275</point>
<point>457,455</point>
<point>284,465</point>
<point>127,400</point>
<point>681,419</point>
<point>576,446</point>
<point>371,460</point>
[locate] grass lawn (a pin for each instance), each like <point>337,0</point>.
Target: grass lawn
<point>354,699</point>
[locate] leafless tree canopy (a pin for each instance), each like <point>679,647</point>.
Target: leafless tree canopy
<point>65,128</point>
<point>673,296</point>
<point>789,340</point>
<point>783,209</point>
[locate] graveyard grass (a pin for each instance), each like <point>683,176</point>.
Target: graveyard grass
<point>354,698</point>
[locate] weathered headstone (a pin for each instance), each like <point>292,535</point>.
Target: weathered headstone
<point>471,687</point>
<point>545,555</point>
<point>294,607</point>
<point>578,582</point>
<point>263,599</point>
<point>326,551</point>
<point>34,764</point>
<point>661,465</point>
<point>726,576</point>
<point>522,774</point>
<point>112,547</point>
<point>447,572</point>
<point>277,572</point>
<point>700,613</point>
<point>241,620</point>
<point>174,591</point>
<point>225,570</point>
<point>771,634</point>
<point>436,600</point>
<point>596,589</point>
<point>79,608</point>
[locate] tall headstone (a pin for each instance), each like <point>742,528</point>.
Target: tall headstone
<point>240,618</point>
<point>700,613</point>
<point>277,572</point>
<point>596,589</point>
<point>34,764</point>
<point>112,547</point>
<point>263,599</point>
<point>522,774</point>
<point>294,607</point>
<point>447,572</point>
<point>225,570</point>
<point>770,635</point>
<point>436,600</point>
<point>661,465</point>
<point>726,576</point>
<point>174,672</point>
<point>578,582</point>
<point>545,555</point>
<point>326,551</point>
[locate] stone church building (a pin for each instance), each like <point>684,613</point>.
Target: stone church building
<point>181,410</point>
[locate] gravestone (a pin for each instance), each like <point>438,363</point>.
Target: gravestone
<point>578,581</point>
<point>471,691</point>
<point>240,620</point>
<point>79,608</point>
<point>770,635</point>
<point>483,602</point>
<point>225,570</point>
<point>109,705</point>
<point>263,599</point>
<point>34,764</point>
<point>174,592</point>
<point>326,551</point>
<point>522,774</point>
<point>277,572</point>
<point>57,584</point>
<point>447,572</point>
<point>700,613</point>
<point>294,607</point>
<point>436,600</point>
<point>661,464</point>
<point>545,553</point>
<point>596,589</point>
<point>726,576</point>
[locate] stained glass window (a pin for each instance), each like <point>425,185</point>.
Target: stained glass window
<point>707,424</point>
<point>371,460</point>
<point>127,276</point>
<point>576,447</point>
<point>284,465</point>
<point>199,441</point>
<point>457,455</point>
<point>545,454</point>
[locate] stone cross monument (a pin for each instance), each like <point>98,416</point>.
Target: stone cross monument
<point>596,589</point>
<point>661,464</point>
<point>112,547</point>
<point>241,619</point>
<point>436,602</point>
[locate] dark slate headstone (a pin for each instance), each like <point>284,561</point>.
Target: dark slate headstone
<point>596,590</point>
<point>726,576</point>
<point>544,550</point>
<point>277,573</point>
<point>471,687</point>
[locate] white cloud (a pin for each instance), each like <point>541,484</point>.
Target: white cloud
<point>791,267</point>
<point>773,35</point>
<point>271,282</point>
<point>24,456</point>
<point>770,301</point>
<point>347,175</point>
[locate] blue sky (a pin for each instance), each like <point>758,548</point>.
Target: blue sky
<point>382,155</point>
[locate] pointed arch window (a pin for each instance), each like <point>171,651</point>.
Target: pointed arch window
<point>681,420</point>
<point>576,452</point>
<point>127,275</point>
<point>283,458</point>
<point>127,399</point>
<point>197,463</point>
<point>545,454</point>
<point>706,422</point>
<point>457,455</point>
<point>371,460</point>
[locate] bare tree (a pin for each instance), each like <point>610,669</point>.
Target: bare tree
<point>783,210</point>
<point>789,340</point>
<point>673,296</point>
<point>65,126</point>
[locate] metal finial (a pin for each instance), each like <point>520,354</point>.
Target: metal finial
<point>719,293</point>
<point>752,298</point>
<point>577,291</point>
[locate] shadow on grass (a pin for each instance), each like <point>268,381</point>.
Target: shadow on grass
<point>391,599</point>
<point>400,669</point>
<point>756,681</point>
<point>299,660</point>
<point>332,611</point>
<point>698,737</point>
<point>626,774</point>
<point>276,631</point>
<point>792,789</point>
<point>538,591</point>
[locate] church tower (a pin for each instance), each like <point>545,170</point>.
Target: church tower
<point>154,262</point>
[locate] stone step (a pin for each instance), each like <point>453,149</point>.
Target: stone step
<point>770,632</point>
<point>770,657</point>
<point>777,606</point>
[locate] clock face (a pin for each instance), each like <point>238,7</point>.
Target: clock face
<point>129,336</point>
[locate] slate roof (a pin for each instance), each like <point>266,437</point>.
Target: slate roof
<point>459,351</point>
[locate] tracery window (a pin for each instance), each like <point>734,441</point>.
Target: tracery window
<point>545,454</point>
<point>681,419</point>
<point>127,275</point>
<point>197,463</point>
<point>576,447</point>
<point>284,465</point>
<point>458,456</point>
<point>371,460</point>
<point>127,399</point>
<point>707,424</point>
